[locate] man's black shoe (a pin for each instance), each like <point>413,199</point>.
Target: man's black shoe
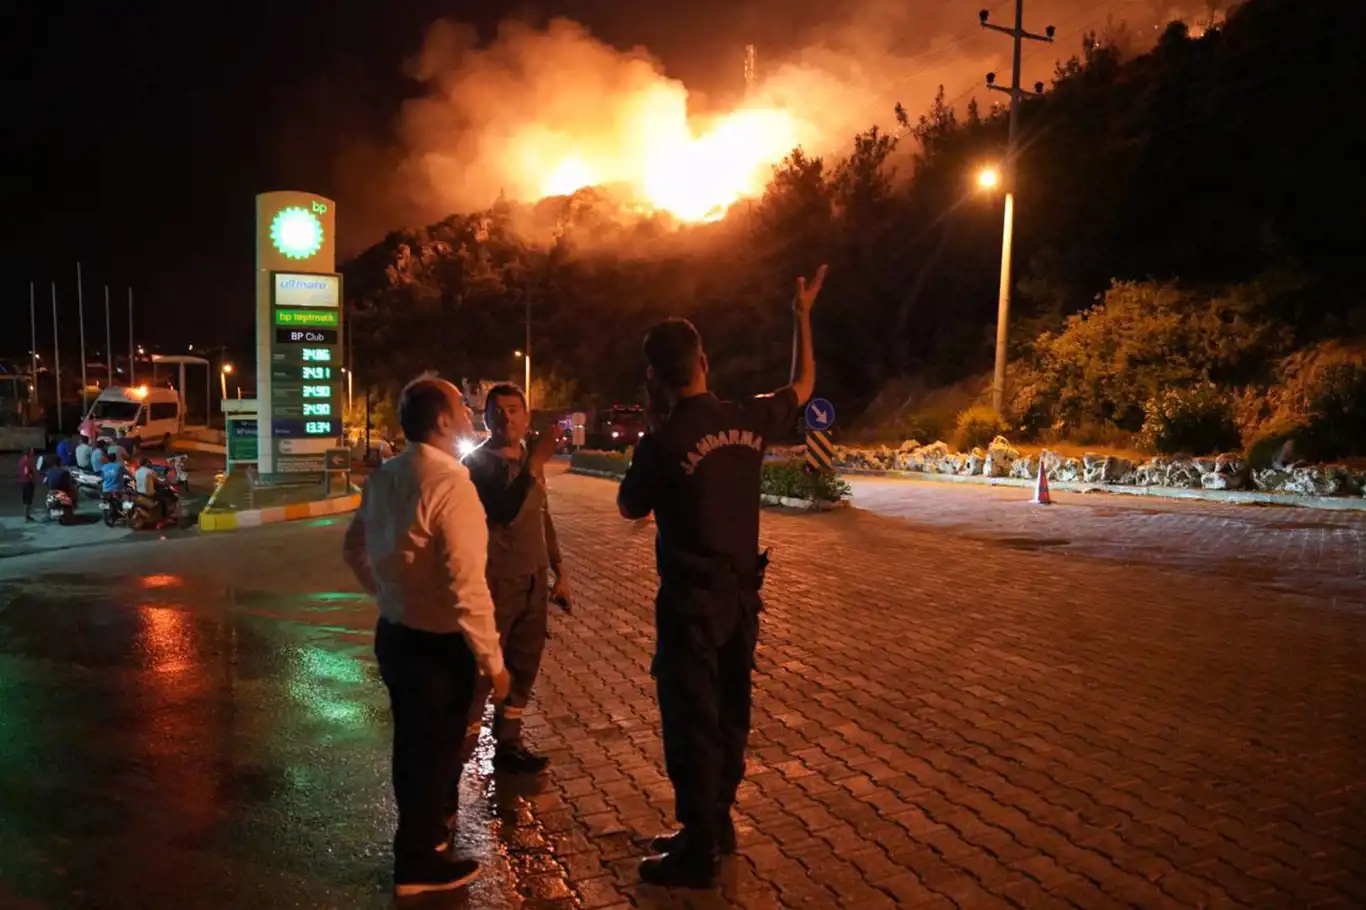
<point>519,760</point>
<point>440,873</point>
<point>679,870</point>
<point>678,841</point>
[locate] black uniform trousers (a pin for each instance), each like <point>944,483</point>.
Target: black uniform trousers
<point>703,666</point>
<point>431,679</point>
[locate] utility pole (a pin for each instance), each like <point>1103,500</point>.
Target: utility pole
<point>80,310</point>
<point>527,351</point>
<point>132,362</point>
<point>108,337</point>
<point>1018,33</point>
<point>57,357</point>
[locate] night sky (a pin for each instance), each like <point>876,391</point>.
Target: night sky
<point>140,132</point>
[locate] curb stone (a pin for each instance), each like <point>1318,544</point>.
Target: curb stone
<point>251,518</point>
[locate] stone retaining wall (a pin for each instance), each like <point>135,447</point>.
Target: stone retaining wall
<point>1001,459</point>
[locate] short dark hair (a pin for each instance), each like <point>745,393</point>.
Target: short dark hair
<point>503,390</point>
<point>671,349</point>
<point>420,406</point>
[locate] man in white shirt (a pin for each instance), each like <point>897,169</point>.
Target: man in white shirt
<point>83,453</point>
<point>419,544</point>
<point>145,478</point>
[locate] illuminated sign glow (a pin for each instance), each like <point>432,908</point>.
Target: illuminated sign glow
<point>307,317</point>
<point>317,355</point>
<point>317,391</point>
<point>317,409</point>
<point>317,372</point>
<point>318,427</point>
<point>302,290</point>
<point>296,233</point>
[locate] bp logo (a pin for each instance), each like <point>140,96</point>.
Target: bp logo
<point>296,232</point>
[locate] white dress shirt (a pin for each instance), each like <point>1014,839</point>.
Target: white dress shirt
<point>421,537</point>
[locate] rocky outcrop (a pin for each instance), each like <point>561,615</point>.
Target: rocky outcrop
<point>1321,480</point>
<point>1106,469</point>
<point>973,463</point>
<point>1026,467</point>
<point>1001,458</point>
<point>1229,471</point>
<point>1182,473</point>
<point>1063,470</point>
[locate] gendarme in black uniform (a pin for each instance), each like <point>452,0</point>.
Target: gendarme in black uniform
<point>699,473</point>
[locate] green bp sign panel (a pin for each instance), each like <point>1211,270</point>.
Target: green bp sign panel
<point>299,332</point>
<point>305,394</point>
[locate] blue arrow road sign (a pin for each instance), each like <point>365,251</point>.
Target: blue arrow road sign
<point>820,414</point>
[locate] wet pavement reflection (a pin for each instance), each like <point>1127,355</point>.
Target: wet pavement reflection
<point>179,738</point>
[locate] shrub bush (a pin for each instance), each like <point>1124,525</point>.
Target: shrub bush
<point>780,478</point>
<point>1335,425</point>
<point>606,462</point>
<point>1193,421</point>
<point>1264,451</point>
<point>791,480</point>
<point>977,426</point>
<point>1142,339</point>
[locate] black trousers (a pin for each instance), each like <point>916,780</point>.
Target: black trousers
<point>431,679</point>
<point>703,668</point>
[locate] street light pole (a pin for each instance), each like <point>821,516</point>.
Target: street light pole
<point>527,351</point>
<point>1018,33</point>
<point>998,380</point>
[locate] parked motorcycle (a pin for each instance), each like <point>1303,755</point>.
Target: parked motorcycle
<point>169,511</point>
<point>87,482</point>
<point>173,469</point>
<point>118,508</point>
<point>60,508</point>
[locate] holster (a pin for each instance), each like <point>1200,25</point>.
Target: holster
<point>711,573</point>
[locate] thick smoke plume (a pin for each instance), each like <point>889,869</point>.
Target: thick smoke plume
<point>544,110</point>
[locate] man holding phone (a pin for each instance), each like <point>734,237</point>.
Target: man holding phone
<point>508,470</point>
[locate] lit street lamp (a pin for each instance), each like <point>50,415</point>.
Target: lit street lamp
<point>526,385</point>
<point>990,178</point>
<point>223,379</point>
<point>349,384</point>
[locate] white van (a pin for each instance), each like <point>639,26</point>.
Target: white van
<point>151,416</point>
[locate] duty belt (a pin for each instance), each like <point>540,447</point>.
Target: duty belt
<point>715,573</point>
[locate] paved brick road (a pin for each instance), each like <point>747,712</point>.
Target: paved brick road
<point>948,721</point>
<point>1300,550</point>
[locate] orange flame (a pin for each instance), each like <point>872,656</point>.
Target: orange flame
<point>693,176</point>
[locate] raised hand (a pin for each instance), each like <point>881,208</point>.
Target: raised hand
<point>807,292</point>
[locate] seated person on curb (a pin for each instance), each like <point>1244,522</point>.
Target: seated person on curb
<point>58,477</point>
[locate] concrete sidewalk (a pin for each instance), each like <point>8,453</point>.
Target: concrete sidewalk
<point>21,538</point>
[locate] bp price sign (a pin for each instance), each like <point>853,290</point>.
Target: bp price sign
<point>305,356</point>
<point>299,332</point>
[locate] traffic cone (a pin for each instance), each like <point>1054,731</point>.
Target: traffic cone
<point>1041,496</point>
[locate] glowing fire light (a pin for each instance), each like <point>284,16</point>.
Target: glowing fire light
<point>695,177</point>
<point>571,175</point>
<point>989,178</point>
